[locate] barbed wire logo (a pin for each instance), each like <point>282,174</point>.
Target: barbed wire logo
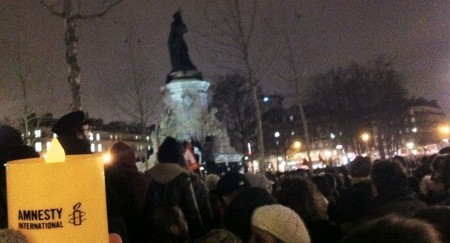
<point>77,217</point>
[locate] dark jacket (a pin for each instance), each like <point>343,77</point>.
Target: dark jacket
<point>130,186</point>
<point>353,204</point>
<point>74,145</point>
<point>178,191</point>
<point>402,201</point>
<point>202,197</point>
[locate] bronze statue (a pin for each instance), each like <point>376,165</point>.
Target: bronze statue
<point>179,56</point>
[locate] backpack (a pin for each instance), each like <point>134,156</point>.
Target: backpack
<point>155,194</point>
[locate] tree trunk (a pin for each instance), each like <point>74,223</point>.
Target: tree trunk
<point>71,41</point>
<point>261,152</point>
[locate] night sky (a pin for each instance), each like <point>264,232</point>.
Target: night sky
<point>328,33</point>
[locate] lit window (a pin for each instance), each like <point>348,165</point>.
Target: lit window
<point>99,148</point>
<point>92,147</point>
<point>91,136</point>
<point>48,144</point>
<point>97,137</point>
<point>292,133</point>
<point>110,136</point>
<point>291,118</point>
<point>38,147</point>
<point>148,138</point>
<point>37,133</point>
<point>136,137</point>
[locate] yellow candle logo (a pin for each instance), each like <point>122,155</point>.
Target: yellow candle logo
<point>77,217</point>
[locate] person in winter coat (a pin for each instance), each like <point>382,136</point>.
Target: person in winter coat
<point>130,187</point>
<point>393,194</point>
<point>170,185</point>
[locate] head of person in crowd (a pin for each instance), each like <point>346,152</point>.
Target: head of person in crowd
<point>303,196</point>
<point>424,167</point>
<point>238,215</point>
<point>23,152</point>
<point>259,180</point>
<point>211,182</point>
<point>122,155</point>
<point>401,160</point>
<point>10,139</point>
<point>445,150</point>
<point>388,176</point>
<point>170,151</point>
<point>229,185</point>
<point>277,223</point>
<point>441,170</point>
<point>73,133</point>
<point>326,183</point>
<point>219,235</point>
<point>439,217</point>
<point>169,224</point>
<point>394,229</point>
<point>360,167</point>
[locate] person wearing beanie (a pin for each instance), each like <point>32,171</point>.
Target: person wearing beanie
<point>73,133</point>
<point>259,180</point>
<point>238,215</point>
<point>170,185</point>
<point>273,223</point>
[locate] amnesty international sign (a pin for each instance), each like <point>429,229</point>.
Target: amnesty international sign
<point>59,201</point>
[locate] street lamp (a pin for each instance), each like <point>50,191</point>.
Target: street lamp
<point>365,137</point>
<point>277,135</point>
<point>444,130</point>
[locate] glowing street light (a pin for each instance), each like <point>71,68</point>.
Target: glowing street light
<point>410,145</point>
<point>365,137</point>
<point>444,130</point>
<point>297,144</point>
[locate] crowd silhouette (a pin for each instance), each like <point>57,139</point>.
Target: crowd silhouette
<point>386,200</point>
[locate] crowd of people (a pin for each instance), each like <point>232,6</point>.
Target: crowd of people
<point>386,200</point>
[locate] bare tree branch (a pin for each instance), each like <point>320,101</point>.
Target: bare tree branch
<point>52,9</point>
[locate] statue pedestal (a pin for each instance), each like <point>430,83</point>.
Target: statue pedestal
<point>186,117</point>
<point>186,105</point>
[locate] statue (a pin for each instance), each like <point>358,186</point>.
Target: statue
<point>182,66</point>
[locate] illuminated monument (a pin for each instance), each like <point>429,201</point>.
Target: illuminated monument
<point>186,115</point>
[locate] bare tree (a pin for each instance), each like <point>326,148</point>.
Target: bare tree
<point>236,106</point>
<point>297,76</point>
<point>70,11</point>
<point>30,82</point>
<point>137,98</point>
<point>233,27</point>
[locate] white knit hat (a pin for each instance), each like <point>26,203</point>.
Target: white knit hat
<point>282,222</point>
